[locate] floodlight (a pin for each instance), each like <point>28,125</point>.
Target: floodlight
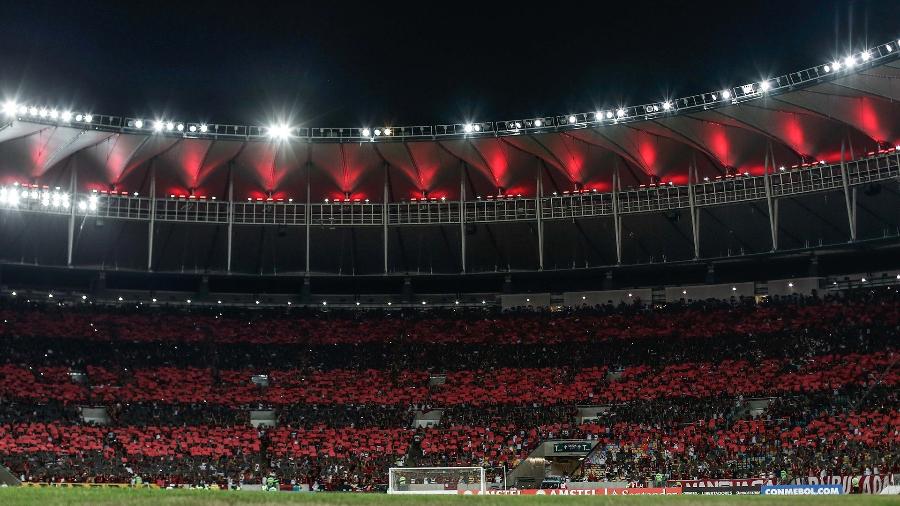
<point>280,132</point>
<point>572,119</point>
<point>138,123</point>
<point>158,126</point>
<point>366,132</point>
<point>467,128</point>
<point>9,108</point>
<point>538,123</point>
<point>88,118</point>
<point>204,129</point>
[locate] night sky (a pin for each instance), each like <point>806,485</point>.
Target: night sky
<point>425,63</point>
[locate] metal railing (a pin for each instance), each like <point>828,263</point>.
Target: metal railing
<point>724,191</point>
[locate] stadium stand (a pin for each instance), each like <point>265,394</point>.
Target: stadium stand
<point>178,387</point>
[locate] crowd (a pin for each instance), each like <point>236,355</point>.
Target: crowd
<point>669,383</point>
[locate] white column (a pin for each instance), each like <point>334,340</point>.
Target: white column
<point>230,213</point>
<point>848,198</point>
<point>384,219</point>
<point>73,201</point>
<point>540,222</point>
<point>462,215</point>
<point>308,213</point>
<point>617,220</point>
<point>152,215</point>
<point>695,213</point>
<point>770,201</point>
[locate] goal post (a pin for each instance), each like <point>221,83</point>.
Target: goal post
<point>436,480</point>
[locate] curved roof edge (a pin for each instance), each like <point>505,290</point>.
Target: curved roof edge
<point>852,63</point>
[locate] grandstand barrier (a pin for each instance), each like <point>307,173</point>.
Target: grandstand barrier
<point>614,297</point>
<point>42,484</point>
<point>868,484</point>
<point>802,490</point>
<point>525,300</point>
<point>566,492</point>
<point>752,490</point>
<point>797,286</point>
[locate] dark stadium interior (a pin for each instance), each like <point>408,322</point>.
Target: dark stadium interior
<point>587,250</point>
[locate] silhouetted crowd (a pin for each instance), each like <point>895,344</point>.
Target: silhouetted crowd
<point>659,389</point>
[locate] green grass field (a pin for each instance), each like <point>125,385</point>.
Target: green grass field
<point>99,496</point>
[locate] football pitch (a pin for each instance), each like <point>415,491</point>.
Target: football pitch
<point>110,496</point>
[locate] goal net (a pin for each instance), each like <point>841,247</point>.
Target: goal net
<point>436,480</point>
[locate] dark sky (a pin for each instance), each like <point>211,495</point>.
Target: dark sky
<point>425,63</point>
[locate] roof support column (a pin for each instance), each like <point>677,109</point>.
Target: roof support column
<point>617,220</point>
<point>230,235</point>
<point>695,213</point>
<point>462,215</point>
<point>849,199</point>
<point>771,203</point>
<point>540,221</point>
<point>384,217</point>
<point>152,223</point>
<point>70,244</point>
<point>307,213</point>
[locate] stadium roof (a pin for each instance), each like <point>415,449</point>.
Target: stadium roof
<point>805,116</point>
<point>800,119</point>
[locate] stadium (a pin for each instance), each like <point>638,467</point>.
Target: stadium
<point>697,295</point>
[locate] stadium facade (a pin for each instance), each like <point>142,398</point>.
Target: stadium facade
<point>776,171</point>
